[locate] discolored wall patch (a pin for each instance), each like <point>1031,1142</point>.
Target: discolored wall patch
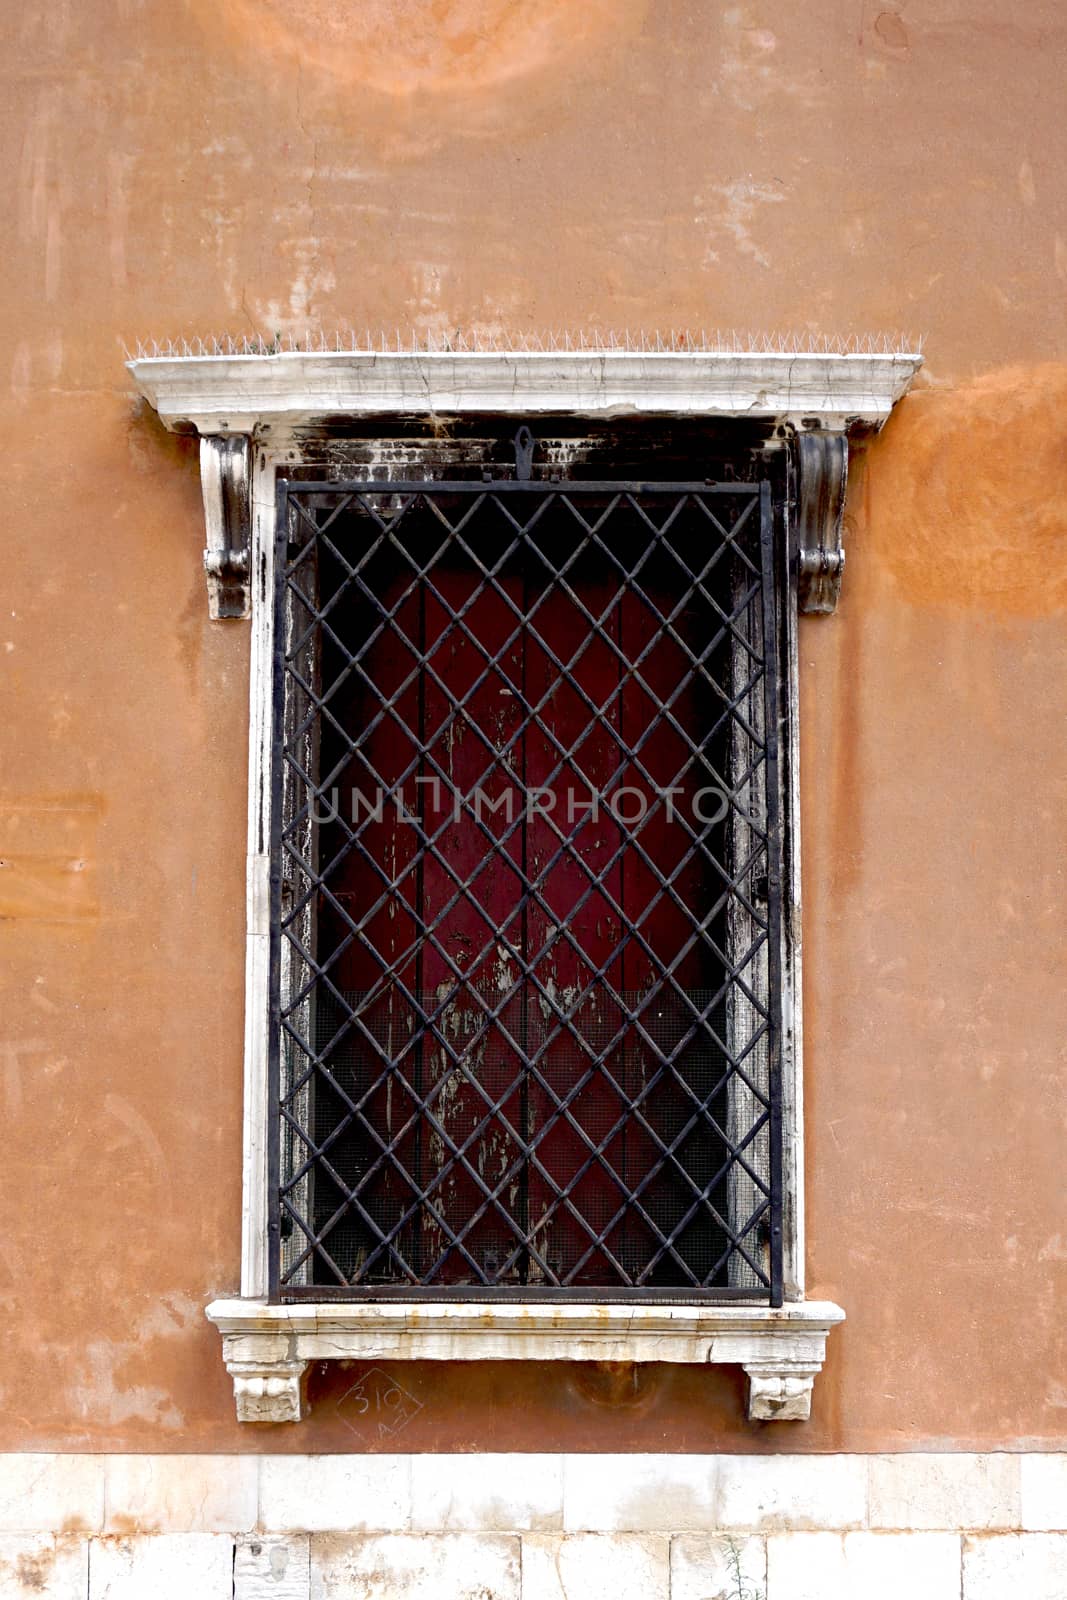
<point>969,503</point>
<point>47,858</point>
<point>403,47</point>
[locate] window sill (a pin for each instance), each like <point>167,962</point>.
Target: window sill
<point>268,1347</point>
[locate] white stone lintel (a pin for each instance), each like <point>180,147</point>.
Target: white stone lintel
<point>265,395</point>
<point>266,1347</point>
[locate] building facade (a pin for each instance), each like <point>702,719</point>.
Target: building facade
<point>639,230</point>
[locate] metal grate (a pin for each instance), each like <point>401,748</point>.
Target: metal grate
<point>525,932</point>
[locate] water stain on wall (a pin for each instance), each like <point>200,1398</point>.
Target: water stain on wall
<point>401,47</point>
<point>969,504</point>
<point>47,858</point>
<point>889,27</point>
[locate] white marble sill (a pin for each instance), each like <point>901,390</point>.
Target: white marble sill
<point>268,1347</point>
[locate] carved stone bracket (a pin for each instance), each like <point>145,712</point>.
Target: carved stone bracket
<point>224,483</point>
<point>780,1391</point>
<point>822,473</point>
<point>267,1391</point>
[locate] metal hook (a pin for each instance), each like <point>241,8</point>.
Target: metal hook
<point>525,444</point>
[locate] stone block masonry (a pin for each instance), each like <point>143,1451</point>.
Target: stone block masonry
<point>534,1527</point>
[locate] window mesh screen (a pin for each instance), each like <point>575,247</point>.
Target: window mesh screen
<point>526,860</point>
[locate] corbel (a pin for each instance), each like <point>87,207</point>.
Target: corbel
<point>822,473</point>
<point>781,1391</point>
<point>267,1391</point>
<point>224,483</point>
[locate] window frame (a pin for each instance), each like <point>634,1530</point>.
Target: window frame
<point>273,402</point>
<point>781,1350</point>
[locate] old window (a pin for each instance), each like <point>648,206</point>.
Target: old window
<point>522,1065</point>
<point>526,988</point>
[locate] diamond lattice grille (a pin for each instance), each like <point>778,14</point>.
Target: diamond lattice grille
<point>525,828</point>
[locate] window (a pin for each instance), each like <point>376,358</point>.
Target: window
<point>527,856</point>
<point>522,1065</point>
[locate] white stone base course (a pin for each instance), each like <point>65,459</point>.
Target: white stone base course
<point>792,1492</point>
<point>347,1494</point>
<point>35,1563</point>
<point>945,1491</point>
<point>404,1566</point>
<point>534,1527</point>
<point>1012,1566</point>
<point>49,1493</point>
<point>167,1494</point>
<point>712,1566</point>
<point>629,1566</point>
<point>1043,1491</point>
<point>150,1566</point>
<point>487,1494</point>
<point>272,1567</point>
<point>640,1494</point>
<point>863,1566</point>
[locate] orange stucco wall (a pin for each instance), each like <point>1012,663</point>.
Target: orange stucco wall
<point>181,166</point>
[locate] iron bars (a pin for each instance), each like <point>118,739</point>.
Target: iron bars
<point>526,868</point>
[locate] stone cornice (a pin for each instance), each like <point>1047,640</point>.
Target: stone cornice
<point>267,394</point>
